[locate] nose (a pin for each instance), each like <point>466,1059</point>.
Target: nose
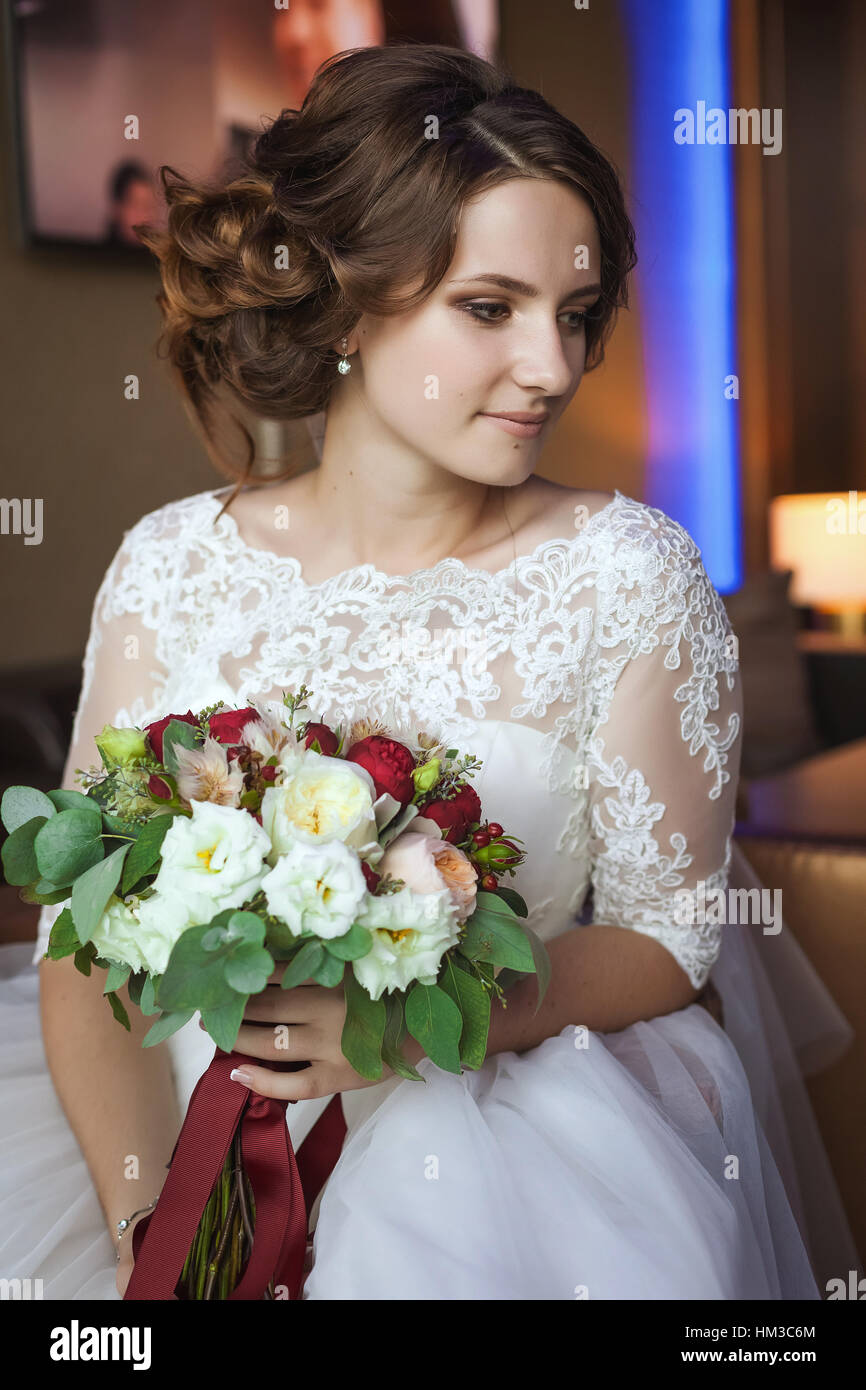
<point>540,359</point>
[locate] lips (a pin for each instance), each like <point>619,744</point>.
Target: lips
<point>522,423</point>
<point>520,417</point>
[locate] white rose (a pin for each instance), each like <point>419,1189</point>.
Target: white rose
<point>140,932</point>
<point>213,860</point>
<point>318,888</point>
<point>324,799</point>
<point>411,933</point>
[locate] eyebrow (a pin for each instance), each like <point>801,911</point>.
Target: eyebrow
<point>506,282</point>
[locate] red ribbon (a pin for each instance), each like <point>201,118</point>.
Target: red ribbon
<point>284,1186</point>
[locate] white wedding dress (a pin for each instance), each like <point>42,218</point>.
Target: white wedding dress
<point>596,680</point>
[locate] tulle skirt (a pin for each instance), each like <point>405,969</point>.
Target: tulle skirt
<point>671,1160</point>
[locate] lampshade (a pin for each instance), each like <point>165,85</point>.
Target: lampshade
<point>821,536</point>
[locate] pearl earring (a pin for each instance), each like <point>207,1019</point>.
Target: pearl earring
<point>344,365</point>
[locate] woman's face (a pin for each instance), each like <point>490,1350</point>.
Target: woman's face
<point>434,375</point>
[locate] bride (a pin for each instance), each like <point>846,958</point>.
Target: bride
<point>433,257</point>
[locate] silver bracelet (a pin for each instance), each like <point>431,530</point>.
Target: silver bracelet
<point>126,1221</point>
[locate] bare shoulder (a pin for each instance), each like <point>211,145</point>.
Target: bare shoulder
<point>553,510</point>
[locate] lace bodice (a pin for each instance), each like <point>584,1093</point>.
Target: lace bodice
<point>595,677</point>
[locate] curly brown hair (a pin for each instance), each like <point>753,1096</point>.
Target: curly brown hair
<point>342,207</point>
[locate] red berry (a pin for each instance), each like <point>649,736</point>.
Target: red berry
<point>488,883</point>
<point>495,828</point>
<point>481,838</point>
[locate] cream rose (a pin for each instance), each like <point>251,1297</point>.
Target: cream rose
<point>427,864</point>
<point>322,799</point>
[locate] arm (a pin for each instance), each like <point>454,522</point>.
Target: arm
<point>663,764</point>
<point>119,1098</point>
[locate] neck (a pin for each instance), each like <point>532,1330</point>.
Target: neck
<point>394,507</point>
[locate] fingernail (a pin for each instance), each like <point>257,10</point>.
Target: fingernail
<point>242,1076</point>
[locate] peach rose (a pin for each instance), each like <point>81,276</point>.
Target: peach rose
<point>427,864</point>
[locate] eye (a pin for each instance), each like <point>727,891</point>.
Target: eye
<point>481,311</point>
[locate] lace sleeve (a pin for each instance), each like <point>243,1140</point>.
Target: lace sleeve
<point>664,756</point>
<point>124,670</point>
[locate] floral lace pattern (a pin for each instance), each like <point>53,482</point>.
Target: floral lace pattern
<point>611,644</point>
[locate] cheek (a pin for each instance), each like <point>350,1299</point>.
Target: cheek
<point>432,364</point>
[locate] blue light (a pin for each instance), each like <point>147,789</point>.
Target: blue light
<point>682,204</point>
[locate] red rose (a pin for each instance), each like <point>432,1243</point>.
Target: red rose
<point>156,730</point>
<point>370,876</point>
<point>390,764</point>
<point>227,727</point>
<point>455,817</point>
<point>328,741</point>
<point>159,788</point>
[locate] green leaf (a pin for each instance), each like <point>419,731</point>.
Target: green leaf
<point>330,972</point>
<point>177,732</point>
<point>117,977</point>
<point>145,852</point>
<point>392,1039</point>
<point>435,1021</point>
<point>18,854</point>
<point>135,986</point>
<point>63,940</point>
<point>165,1025</point>
<point>195,978</point>
<point>118,1010</point>
<point>514,901</point>
<point>494,934</point>
<point>83,957</point>
<point>91,892</point>
<point>246,926</point>
<point>248,968</point>
<point>43,892</point>
<point>18,805</point>
<point>64,800</point>
<point>363,1029</point>
<point>473,1001</point>
<point>301,966</point>
<point>223,1024</point>
<point>542,963</point>
<point>357,942</point>
<point>69,844</point>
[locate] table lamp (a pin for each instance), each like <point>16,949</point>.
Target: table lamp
<point>821,536</point>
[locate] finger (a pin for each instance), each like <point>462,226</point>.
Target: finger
<point>308,1084</point>
<point>301,1005</point>
<point>285,1042</point>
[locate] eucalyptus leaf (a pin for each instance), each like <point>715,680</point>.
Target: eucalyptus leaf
<point>84,956</point>
<point>69,844</point>
<point>248,968</point>
<point>18,805</point>
<point>223,1024</point>
<point>301,966</point>
<point>18,854</point>
<point>147,999</point>
<point>357,942</point>
<point>195,978</point>
<point>165,1025</point>
<point>330,971</point>
<point>116,978</point>
<point>65,800</point>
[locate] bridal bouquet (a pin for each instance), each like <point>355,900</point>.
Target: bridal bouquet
<point>245,839</point>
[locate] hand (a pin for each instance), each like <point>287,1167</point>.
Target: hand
<point>306,1025</point>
